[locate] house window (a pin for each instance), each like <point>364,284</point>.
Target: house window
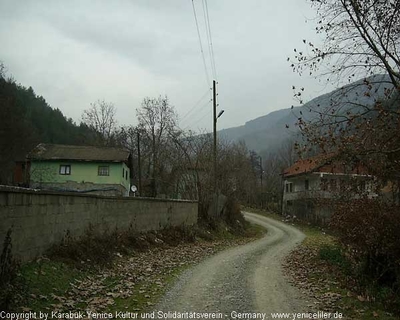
<point>289,187</point>
<point>65,169</point>
<point>306,184</point>
<point>104,171</point>
<point>123,172</point>
<point>126,174</point>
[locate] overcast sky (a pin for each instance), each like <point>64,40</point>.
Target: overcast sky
<point>76,52</point>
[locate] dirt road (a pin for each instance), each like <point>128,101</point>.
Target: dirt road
<point>245,279</point>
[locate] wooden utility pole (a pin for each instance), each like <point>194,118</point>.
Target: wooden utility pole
<point>139,165</point>
<point>215,134</point>
<point>261,180</point>
<point>215,198</point>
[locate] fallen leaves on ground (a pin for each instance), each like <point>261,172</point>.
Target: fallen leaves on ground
<point>325,286</point>
<point>145,274</point>
<point>299,266</point>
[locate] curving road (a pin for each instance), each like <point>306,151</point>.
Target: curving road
<point>244,279</point>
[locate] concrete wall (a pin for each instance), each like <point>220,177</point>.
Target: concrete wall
<point>89,188</point>
<point>40,219</point>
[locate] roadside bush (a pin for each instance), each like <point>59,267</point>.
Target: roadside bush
<point>92,249</point>
<point>8,274</point>
<point>232,212</point>
<point>369,229</point>
<point>98,249</point>
<point>233,217</point>
<point>335,256</point>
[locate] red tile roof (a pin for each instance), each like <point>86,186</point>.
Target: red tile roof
<point>324,163</point>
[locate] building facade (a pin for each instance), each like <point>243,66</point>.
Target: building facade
<point>309,184</point>
<point>84,169</point>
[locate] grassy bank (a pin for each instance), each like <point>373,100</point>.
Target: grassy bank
<point>320,268</point>
<point>115,272</point>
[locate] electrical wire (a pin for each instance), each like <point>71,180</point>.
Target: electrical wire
<point>201,45</point>
<point>211,56</point>
<point>207,114</point>
<point>209,37</point>
<point>198,119</point>
<point>201,112</point>
<point>196,105</point>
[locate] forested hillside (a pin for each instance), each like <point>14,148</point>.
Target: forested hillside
<point>26,119</point>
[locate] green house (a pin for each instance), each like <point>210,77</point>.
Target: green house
<point>84,169</point>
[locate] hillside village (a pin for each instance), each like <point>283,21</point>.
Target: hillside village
<point>295,212</point>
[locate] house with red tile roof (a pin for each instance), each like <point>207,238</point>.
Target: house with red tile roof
<point>322,177</point>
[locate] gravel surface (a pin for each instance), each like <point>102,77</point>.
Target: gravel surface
<point>244,279</point>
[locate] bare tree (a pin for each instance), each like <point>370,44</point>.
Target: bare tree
<point>100,117</point>
<point>361,39</point>
<point>236,178</point>
<point>193,160</point>
<point>239,172</point>
<point>274,163</point>
<point>157,118</point>
<point>2,70</point>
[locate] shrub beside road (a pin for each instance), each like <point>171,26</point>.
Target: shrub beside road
<point>320,268</point>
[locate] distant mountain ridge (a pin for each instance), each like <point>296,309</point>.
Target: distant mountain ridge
<point>267,133</point>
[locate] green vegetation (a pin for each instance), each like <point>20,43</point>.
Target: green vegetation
<point>329,268</point>
<point>8,273</point>
<point>321,266</point>
<point>118,272</point>
<point>48,284</point>
<point>141,300</point>
<point>334,255</point>
<point>27,119</point>
<point>45,282</point>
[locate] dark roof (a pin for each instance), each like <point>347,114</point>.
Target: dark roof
<point>324,163</point>
<point>79,153</point>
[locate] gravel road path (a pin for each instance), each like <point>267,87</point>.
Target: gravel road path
<point>244,279</point>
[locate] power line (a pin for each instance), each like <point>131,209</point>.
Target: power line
<point>209,37</point>
<point>207,114</point>
<point>197,104</point>
<point>201,45</point>
<point>198,119</point>
<point>203,107</point>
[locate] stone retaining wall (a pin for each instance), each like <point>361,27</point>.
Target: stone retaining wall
<point>40,219</point>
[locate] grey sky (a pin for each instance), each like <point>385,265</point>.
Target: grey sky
<point>76,52</point>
